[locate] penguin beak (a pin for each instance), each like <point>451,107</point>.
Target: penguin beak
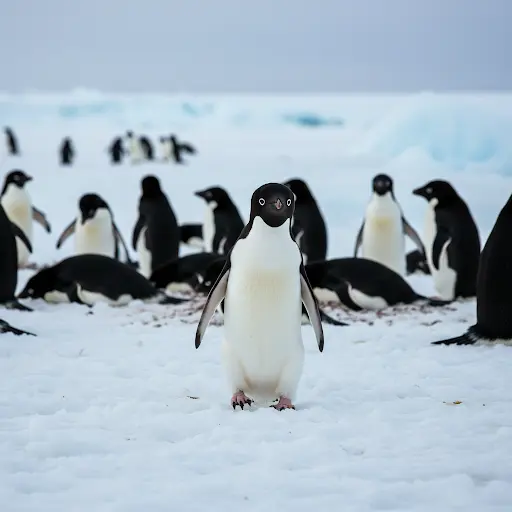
<point>200,194</point>
<point>418,191</point>
<point>278,204</point>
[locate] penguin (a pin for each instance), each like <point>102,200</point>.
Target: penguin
<point>261,288</point>
<point>18,206</point>
<point>135,149</point>
<point>451,239</point>
<point>179,148</point>
<point>92,278</point>
<point>416,261</point>
<point>222,222</point>
<point>116,151</point>
<point>5,327</point>
<point>156,234</point>
<point>94,228</point>
<point>147,147</point>
<point>13,148</point>
<point>183,274</point>
<point>165,148</point>
<point>66,151</point>
<point>493,305</point>
<point>9,261</point>
<point>382,233</point>
<point>308,227</point>
<point>191,235</point>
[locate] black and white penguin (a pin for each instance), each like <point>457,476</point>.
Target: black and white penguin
<point>134,148</point>
<point>9,261</point>
<point>5,327</point>
<point>93,278</point>
<point>156,234</point>
<point>18,206</point>
<point>493,303</point>
<point>382,233</point>
<point>308,226</point>
<point>66,151</point>
<point>11,142</point>
<point>452,242</point>
<point>94,229</point>
<point>191,235</point>
<point>165,148</point>
<point>262,287</point>
<point>116,151</point>
<point>147,147</point>
<point>416,261</point>
<point>222,221</point>
<point>178,149</point>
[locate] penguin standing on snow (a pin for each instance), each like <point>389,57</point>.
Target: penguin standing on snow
<point>156,234</point>
<point>493,304</point>
<point>262,287</point>
<point>135,149</point>
<point>451,240</point>
<point>66,152</point>
<point>165,148</point>
<point>222,222</point>
<point>13,147</point>
<point>308,227</point>
<point>382,233</point>
<point>18,206</point>
<point>94,228</point>
<point>146,147</point>
<point>180,148</point>
<point>116,151</point>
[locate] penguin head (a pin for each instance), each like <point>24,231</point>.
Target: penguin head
<point>89,204</point>
<point>151,187</point>
<point>214,197</point>
<point>274,203</point>
<point>39,284</point>
<point>382,184</point>
<point>129,134</point>
<point>17,178</point>
<point>438,191</point>
<point>300,189</point>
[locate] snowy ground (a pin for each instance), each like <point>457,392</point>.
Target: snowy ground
<point>115,410</point>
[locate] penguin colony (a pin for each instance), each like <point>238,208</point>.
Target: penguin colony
<point>265,276</point>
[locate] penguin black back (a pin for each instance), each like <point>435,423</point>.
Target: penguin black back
<point>308,225</point>
<point>116,150</point>
<point>12,142</point>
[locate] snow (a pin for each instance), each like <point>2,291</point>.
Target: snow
<point>115,410</point>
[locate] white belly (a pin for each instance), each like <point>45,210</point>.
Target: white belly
<point>144,255</point>
<point>208,227</point>
<point>135,150</point>
<point>165,150</point>
<point>92,298</point>
<point>95,237</point>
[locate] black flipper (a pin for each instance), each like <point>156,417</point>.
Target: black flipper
<point>442,237</point>
<point>464,339</point>
<point>40,217</point>
<point>359,239</point>
<point>6,327</point>
<point>343,295</point>
<point>329,319</point>
<point>119,237</point>
<point>136,231</point>
<point>21,235</point>
<point>70,229</point>
<point>311,305</point>
<point>413,235</point>
<point>14,304</point>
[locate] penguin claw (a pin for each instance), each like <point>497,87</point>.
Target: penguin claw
<point>240,399</point>
<point>283,403</point>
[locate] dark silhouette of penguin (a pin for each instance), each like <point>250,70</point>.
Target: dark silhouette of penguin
<point>66,152</point>
<point>13,147</point>
<point>116,150</point>
<point>308,226</point>
<point>6,328</point>
<point>156,234</point>
<point>493,288</point>
<point>178,149</point>
<point>146,147</point>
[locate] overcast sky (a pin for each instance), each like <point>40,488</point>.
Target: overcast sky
<point>260,46</point>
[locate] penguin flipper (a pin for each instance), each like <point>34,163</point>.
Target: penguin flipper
<point>442,237</point>
<point>40,217</point>
<point>18,232</point>
<point>329,319</point>
<point>413,235</point>
<point>18,306</point>
<point>6,327</point>
<point>215,297</point>
<point>120,238</point>
<point>359,239</point>
<point>463,339</point>
<point>70,229</point>
<point>136,231</point>
<point>311,305</point>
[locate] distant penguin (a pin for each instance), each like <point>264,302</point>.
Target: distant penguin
<point>18,206</point>
<point>147,147</point>
<point>191,235</point>
<point>8,328</point>
<point>451,240</point>
<point>382,233</point>
<point>262,287</point>
<point>416,261</point>
<point>308,226</point>
<point>66,151</point>
<point>135,149</point>
<point>165,148</point>
<point>9,261</point>
<point>94,229</point>
<point>178,149</point>
<point>494,278</point>
<point>222,222</point>
<point>116,150</point>
<point>11,141</point>
<point>156,234</point>
<point>93,278</point>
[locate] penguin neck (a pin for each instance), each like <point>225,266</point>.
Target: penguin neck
<point>382,204</point>
<point>13,194</point>
<point>261,232</point>
<point>101,217</point>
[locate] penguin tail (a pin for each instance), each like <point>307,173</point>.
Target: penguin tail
<point>6,327</point>
<point>18,306</point>
<point>464,339</point>
<point>324,317</point>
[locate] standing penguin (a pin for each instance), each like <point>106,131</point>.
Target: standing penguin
<point>308,227</point>
<point>179,148</point>
<point>222,222</point>
<point>66,151</point>
<point>165,148</point>
<point>94,228</point>
<point>13,147</point>
<point>9,261</point>
<point>18,206</point>
<point>156,234</point>
<point>262,287</point>
<point>451,240</point>
<point>493,304</point>
<point>382,233</point>
<point>116,150</point>
<point>147,147</point>
<point>135,149</point>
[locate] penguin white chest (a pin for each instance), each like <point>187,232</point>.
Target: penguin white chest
<point>165,149</point>
<point>383,236</point>
<point>135,149</point>
<point>263,347</point>
<point>96,236</point>
<point>209,226</point>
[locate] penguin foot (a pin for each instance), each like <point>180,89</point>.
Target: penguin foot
<point>240,399</point>
<point>14,304</point>
<point>283,403</point>
<point>6,327</point>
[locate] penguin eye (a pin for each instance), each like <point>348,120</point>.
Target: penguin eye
<point>429,190</point>
<point>288,202</point>
<point>261,201</point>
